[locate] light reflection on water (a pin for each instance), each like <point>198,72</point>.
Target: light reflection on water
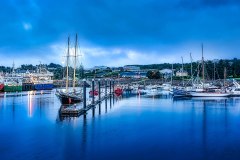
<point>121,128</point>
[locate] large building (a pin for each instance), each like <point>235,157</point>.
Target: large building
<point>133,74</point>
<point>131,68</point>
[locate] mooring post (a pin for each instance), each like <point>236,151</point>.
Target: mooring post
<point>105,88</point>
<point>99,90</point>
<point>113,86</point>
<point>93,91</point>
<point>84,94</point>
<point>110,84</point>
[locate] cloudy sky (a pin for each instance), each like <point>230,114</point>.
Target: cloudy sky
<point>118,32</point>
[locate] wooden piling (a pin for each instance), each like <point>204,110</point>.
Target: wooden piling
<point>84,95</point>
<point>105,88</point>
<point>99,90</point>
<point>93,91</point>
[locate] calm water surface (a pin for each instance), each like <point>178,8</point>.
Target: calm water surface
<point>128,128</point>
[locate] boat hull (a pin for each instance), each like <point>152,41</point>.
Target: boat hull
<point>68,99</point>
<point>27,87</point>
<point>12,88</point>
<point>195,94</point>
<point>180,93</point>
<point>43,86</point>
<point>1,87</point>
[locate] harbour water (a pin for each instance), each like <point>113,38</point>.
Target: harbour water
<point>121,128</point>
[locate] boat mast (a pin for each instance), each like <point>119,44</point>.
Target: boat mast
<point>75,63</point>
<point>225,76</point>
<point>172,75</point>
<point>191,68</point>
<point>214,76</point>
<point>182,72</point>
<point>203,73</point>
<point>67,65</point>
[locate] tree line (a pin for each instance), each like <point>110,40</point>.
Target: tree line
<point>213,69</point>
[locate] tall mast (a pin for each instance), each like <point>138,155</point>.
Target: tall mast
<point>182,72</point>
<point>75,63</point>
<point>203,72</point>
<point>191,68</point>
<point>214,76</point>
<point>172,75</point>
<point>67,65</point>
<point>198,71</point>
<point>225,76</point>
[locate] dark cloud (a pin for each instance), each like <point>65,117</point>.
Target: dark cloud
<point>143,25</point>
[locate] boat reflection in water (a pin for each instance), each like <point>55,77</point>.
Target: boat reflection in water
<point>121,128</point>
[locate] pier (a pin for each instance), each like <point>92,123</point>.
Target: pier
<point>105,89</point>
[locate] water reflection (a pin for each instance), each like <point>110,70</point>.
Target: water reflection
<point>191,128</point>
<point>99,108</point>
<point>93,112</point>
<point>106,106</point>
<point>30,104</point>
<point>84,136</point>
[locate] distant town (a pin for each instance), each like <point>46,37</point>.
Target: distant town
<point>214,70</point>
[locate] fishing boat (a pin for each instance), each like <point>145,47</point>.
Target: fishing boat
<point>13,81</point>
<point>66,96</point>
<point>42,80</point>
<point>27,85</point>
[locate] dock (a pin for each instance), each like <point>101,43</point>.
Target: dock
<point>105,91</point>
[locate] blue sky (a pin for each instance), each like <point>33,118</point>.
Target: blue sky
<point>118,32</point>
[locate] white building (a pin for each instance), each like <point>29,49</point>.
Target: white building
<point>166,72</point>
<point>181,73</point>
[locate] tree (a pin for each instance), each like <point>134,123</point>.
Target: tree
<point>149,74</point>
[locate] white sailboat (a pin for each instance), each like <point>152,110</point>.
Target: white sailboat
<point>208,91</point>
<point>235,91</point>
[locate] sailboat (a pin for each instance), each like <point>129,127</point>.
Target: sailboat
<point>208,91</point>
<point>235,89</point>
<point>67,96</point>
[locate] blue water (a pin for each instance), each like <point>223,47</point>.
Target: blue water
<point>131,128</point>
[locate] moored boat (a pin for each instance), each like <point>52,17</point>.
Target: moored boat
<point>12,83</point>
<point>118,91</point>
<point>1,82</point>
<point>42,80</point>
<point>66,96</point>
<point>209,94</point>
